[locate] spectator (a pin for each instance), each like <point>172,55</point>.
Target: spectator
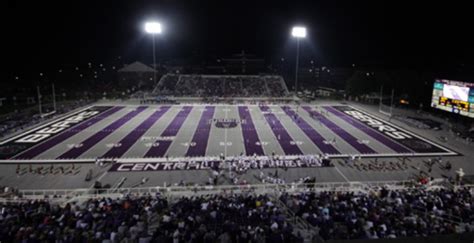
<point>390,214</point>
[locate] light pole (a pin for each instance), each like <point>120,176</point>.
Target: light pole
<point>298,32</point>
<point>39,101</point>
<point>39,97</point>
<point>54,97</point>
<point>153,28</point>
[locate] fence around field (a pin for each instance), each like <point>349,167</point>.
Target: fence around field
<point>180,191</point>
<point>205,190</point>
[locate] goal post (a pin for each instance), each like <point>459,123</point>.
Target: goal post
<point>386,109</point>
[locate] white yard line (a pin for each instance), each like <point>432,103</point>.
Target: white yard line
<point>102,176</point>
<point>225,133</point>
<point>340,172</point>
<point>99,179</point>
<point>280,117</point>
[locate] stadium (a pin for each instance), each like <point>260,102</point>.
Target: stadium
<point>237,151</point>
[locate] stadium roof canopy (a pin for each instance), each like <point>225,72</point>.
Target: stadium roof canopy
<point>137,67</point>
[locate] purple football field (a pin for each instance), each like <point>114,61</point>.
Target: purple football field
<point>176,131</point>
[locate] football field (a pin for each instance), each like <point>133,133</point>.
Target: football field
<point>156,132</point>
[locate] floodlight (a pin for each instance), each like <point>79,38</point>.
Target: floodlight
<point>298,32</point>
<point>153,27</point>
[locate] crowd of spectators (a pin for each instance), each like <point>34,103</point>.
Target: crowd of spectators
<point>166,85</point>
<point>228,217</point>
<point>221,86</point>
<point>96,221</point>
<point>251,87</point>
<point>385,214</point>
<point>232,86</point>
<point>275,87</point>
<point>218,218</point>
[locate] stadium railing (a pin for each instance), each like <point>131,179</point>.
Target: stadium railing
<point>209,189</point>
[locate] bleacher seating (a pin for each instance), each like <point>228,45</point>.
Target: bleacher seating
<point>221,85</point>
<point>385,214</point>
<point>248,216</point>
<point>218,218</point>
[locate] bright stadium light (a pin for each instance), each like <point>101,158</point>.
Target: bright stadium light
<point>298,32</point>
<point>153,27</point>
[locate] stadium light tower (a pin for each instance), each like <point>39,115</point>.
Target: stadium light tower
<point>298,32</point>
<point>153,28</point>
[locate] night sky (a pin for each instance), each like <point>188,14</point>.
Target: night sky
<point>46,34</point>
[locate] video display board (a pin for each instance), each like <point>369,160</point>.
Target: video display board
<point>453,96</point>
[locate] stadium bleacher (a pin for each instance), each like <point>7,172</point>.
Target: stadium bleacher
<point>385,214</point>
<point>245,216</point>
<point>221,85</point>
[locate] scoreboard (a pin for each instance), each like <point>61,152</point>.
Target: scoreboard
<point>453,96</point>
<point>457,104</point>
